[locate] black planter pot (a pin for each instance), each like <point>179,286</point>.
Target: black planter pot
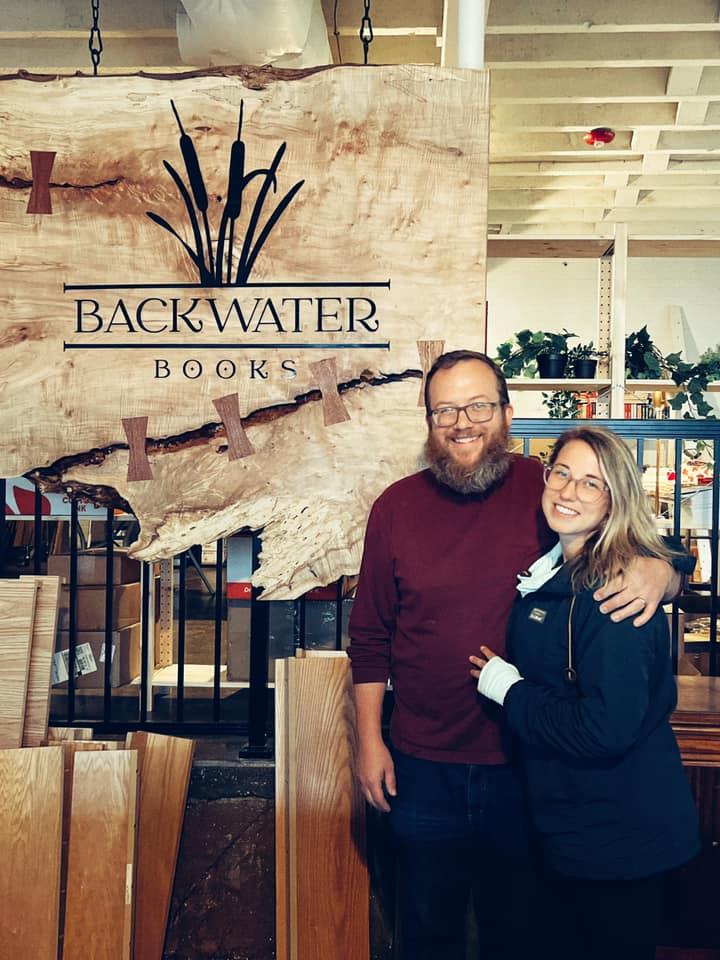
<point>585,368</point>
<point>551,366</point>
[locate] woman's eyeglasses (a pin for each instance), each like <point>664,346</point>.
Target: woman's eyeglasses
<point>587,489</point>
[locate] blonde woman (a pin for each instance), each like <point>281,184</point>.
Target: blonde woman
<point>589,700</point>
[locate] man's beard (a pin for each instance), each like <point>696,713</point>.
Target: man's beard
<point>479,479</point>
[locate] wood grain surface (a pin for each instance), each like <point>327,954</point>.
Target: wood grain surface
<point>327,888</point>
<point>31,799</point>
<point>165,767</point>
<point>101,856</point>
<point>283,857</point>
<point>325,373</point>
<point>393,166</point>
<point>69,749</point>
<point>229,409</point>
<point>41,163</point>
<point>69,733</point>
<point>17,614</point>
<point>37,704</point>
<point>429,351</point>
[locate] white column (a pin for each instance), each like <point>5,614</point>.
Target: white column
<point>619,305</point>
<point>464,34</point>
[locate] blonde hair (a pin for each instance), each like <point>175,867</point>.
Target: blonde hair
<point>629,529</point>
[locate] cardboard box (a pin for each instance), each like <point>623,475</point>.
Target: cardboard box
<point>281,640</point>
<point>91,567</point>
<point>238,640</point>
<point>90,658</point>
<point>91,607</point>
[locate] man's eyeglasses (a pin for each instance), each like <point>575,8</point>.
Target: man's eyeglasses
<point>587,489</point>
<point>479,412</point>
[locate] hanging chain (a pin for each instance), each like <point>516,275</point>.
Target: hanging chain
<point>366,31</point>
<point>95,41</point>
<point>336,33</point>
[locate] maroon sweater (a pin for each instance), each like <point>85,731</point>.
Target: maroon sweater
<point>437,580</point>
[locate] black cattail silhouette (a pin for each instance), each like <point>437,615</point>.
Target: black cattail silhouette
<point>197,183</point>
<point>233,203</point>
<point>196,199</point>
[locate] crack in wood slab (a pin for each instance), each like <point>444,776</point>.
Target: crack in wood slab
<point>19,183</point>
<point>254,78</point>
<point>51,479</point>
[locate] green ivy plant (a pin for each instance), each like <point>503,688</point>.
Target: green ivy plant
<point>644,361</point>
<point>518,356</point>
<point>562,404</point>
<point>694,379</point>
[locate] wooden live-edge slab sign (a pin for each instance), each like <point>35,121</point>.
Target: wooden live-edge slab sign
<point>221,292</point>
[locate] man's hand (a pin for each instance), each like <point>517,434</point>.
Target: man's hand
<point>375,770</point>
<point>646,583</point>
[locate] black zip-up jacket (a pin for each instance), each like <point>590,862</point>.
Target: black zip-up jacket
<point>606,786</point>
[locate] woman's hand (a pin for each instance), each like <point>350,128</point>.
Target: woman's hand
<point>480,662</point>
<point>495,675</point>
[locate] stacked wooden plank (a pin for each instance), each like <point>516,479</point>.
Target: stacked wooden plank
<point>89,830</point>
<point>28,618</point>
<point>322,882</point>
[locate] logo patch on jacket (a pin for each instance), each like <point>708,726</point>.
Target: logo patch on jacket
<point>537,615</point>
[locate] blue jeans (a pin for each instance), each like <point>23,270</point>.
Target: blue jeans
<point>462,830</point>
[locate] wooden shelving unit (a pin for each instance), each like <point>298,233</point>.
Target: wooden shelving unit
<point>536,383</point>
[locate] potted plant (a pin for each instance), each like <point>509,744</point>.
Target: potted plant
<point>562,404</point>
<point>694,379</point>
<point>582,360</point>
<point>643,359</point>
<point>553,356</point>
<point>532,352</point>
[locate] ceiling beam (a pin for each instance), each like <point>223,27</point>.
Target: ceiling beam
<point>510,13</point>
<point>569,117</point>
<point>625,49</point>
<point>691,113</point>
<point>597,164</point>
<point>569,249</point>
<point>683,81</point>
<point>676,185</point>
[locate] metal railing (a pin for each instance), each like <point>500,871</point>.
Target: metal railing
<point>674,433</point>
<point>245,710</point>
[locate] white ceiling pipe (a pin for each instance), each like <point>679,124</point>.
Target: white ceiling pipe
<point>285,33</point>
<point>471,33</point>
<point>464,33</point>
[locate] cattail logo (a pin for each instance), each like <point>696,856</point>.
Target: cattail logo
<point>217,264</point>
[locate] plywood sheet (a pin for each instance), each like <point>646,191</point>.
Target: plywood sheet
<point>101,856</point>
<point>17,613</point>
<point>31,799</point>
<point>37,705</point>
<point>326,893</point>
<point>165,767</point>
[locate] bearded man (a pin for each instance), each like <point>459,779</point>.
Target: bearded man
<point>443,548</point>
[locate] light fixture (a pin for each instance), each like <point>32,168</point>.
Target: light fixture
<point>599,136</point>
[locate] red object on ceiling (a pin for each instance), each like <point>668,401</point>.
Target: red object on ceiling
<point>599,136</point>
